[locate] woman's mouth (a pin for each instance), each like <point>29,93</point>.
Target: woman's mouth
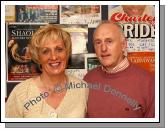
<point>55,65</point>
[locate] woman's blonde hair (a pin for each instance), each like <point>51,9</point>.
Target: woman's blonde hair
<point>49,31</point>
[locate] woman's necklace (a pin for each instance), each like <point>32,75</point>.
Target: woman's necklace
<point>55,88</point>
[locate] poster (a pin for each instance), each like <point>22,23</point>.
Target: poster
<point>91,61</point>
<point>37,13</point>
<point>138,23</point>
<point>10,13</point>
<point>20,65</point>
<point>145,60</point>
<point>79,37</point>
<point>80,14</point>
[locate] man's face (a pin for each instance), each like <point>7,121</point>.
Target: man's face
<point>109,45</point>
<point>134,10</point>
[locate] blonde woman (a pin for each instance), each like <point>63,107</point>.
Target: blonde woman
<point>47,94</point>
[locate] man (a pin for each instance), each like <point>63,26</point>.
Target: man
<point>126,90</point>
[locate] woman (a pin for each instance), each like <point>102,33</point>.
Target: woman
<point>47,95</point>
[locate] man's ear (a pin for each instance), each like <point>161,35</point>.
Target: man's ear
<point>124,44</point>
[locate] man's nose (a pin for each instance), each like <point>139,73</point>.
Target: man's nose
<point>103,47</point>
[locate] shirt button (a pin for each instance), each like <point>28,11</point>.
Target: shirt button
<point>126,109</point>
<point>53,114</point>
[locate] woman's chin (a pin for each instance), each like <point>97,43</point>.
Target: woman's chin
<point>55,72</point>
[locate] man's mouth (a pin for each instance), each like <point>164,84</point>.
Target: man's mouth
<point>104,56</point>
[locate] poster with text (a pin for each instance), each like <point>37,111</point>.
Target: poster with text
<point>144,59</point>
<point>138,24</point>
<point>37,13</point>
<point>80,14</point>
<point>20,65</point>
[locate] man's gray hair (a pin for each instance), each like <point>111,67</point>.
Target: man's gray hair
<point>114,23</point>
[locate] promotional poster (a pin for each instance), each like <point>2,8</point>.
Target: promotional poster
<point>20,66</point>
<point>138,23</point>
<point>37,13</point>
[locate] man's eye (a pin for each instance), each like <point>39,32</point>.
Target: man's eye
<point>97,42</point>
<point>109,41</point>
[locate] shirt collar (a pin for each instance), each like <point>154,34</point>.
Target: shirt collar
<point>120,67</point>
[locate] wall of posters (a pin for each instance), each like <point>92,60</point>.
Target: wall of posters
<point>80,21</point>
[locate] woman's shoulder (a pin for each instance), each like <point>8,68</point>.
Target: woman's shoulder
<point>22,87</point>
<point>24,83</point>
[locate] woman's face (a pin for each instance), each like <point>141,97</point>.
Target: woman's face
<point>53,57</point>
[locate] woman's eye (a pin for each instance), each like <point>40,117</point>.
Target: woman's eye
<point>60,49</point>
<point>45,51</point>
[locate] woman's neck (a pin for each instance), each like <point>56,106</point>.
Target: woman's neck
<point>51,81</point>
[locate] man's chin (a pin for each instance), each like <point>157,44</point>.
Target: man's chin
<point>106,65</point>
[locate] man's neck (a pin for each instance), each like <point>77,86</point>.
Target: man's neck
<point>120,67</point>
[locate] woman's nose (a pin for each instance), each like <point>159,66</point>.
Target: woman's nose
<point>53,55</point>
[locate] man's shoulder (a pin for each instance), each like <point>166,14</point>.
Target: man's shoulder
<point>139,71</point>
<point>92,72</point>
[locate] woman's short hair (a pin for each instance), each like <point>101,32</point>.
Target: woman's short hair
<point>49,31</point>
